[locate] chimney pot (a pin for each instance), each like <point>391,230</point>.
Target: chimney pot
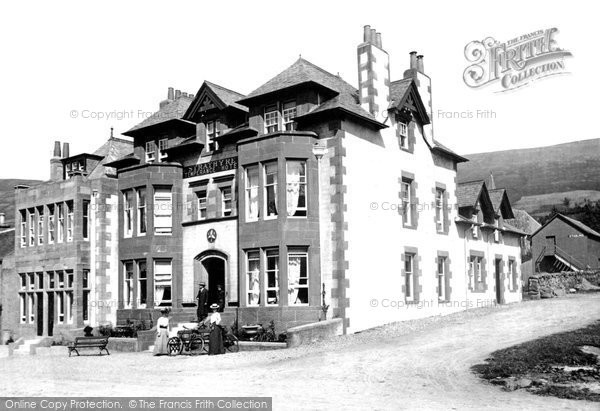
<point>56,150</point>
<point>184,94</point>
<point>373,36</point>
<point>413,60</point>
<point>378,40</point>
<point>420,67</point>
<point>192,96</point>
<point>66,150</point>
<point>367,34</point>
<point>170,95</point>
<point>177,94</point>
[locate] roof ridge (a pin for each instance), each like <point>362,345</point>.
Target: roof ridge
<point>325,71</point>
<point>224,88</point>
<point>472,181</point>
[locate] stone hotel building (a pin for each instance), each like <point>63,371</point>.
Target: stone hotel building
<point>305,193</point>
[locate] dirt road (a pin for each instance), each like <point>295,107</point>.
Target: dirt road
<point>414,365</point>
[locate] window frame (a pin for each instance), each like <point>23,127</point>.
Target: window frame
<point>32,226</point>
<point>272,118</point>
<point>268,253</point>
<point>253,276</point>
<point>142,283</point>
<point>85,226</point>
<point>287,119</point>
<point>163,303</point>
<point>40,225</point>
<point>226,211</point>
<point>150,151</point>
<point>202,204</point>
<point>60,232</point>
<point>267,185</point>
<point>302,253</point>
<point>163,195</point>
<point>163,144</point>
<point>403,134</point>
<point>142,211</point>
<point>127,214</point>
<point>409,279</point>
<point>70,221</point>
<point>440,220</point>
<point>441,277</point>
<point>302,182</point>
<point>249,189</point>
<point>23,228</point>
<point>406,196</point>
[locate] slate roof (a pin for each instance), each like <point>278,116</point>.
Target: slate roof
<point>170,111</point>
<point>496,197</point>
<point>7,242</point>
<point>227,96</point>
<point>523,221</point>
<point>446,150</point>
<point>112,150</point>
<point>302,71</point>
<point>345,102</point>
<point>581,226</point>
<point>398,90</point>
<point>467,193</point>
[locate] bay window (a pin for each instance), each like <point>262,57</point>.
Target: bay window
<point>163,277</point>
<point>296,188</point>
<point>270,190</point>
<point>297,277</point>
<point>163,211</point>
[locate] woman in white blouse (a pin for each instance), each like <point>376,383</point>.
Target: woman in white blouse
<point>215,342</point>
<point>162,334</point>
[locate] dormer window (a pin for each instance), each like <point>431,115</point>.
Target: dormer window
<point>271,119</point>
<point>403,135</point>
<point>163,144</point>
<point>289,112</point>
<point>212,132</point>
<point>150,152</point>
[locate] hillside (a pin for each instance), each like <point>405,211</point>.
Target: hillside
<point>7,197</point>
<point>539,178</point>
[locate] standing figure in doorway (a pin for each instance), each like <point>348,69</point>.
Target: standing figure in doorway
<point>162,333</point>
<point>215,342</point>
<point>220,297</point>
<point>202,298</point>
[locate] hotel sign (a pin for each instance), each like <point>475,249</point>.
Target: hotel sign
<point>214,166</point>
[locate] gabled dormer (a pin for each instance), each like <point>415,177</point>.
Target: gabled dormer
<point>300,95</point>
<point>406,112</point>
<point>216,112</point>
<point>163,129</point>
<point>80,165</point>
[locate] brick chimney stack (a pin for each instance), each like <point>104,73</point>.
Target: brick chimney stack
<point>56,165</point>
<point>373,74</point>
<point>170,98</point>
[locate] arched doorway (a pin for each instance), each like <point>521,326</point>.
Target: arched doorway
<point>212,267</point>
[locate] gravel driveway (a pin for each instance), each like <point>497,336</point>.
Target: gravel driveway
<point>412,365</point>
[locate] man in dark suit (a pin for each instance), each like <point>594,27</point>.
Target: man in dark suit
<point>202,298</point>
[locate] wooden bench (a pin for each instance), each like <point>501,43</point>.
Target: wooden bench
<point>89,342</point>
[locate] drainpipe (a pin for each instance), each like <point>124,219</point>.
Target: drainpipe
<point>470,227</point>
<point>319,151</point>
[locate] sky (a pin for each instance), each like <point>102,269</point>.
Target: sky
<point>72,70</point>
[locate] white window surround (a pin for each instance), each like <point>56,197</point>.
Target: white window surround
<point>441,272</point>
<point>409,273</point>
<point>163,211</point>
<point>150,151</point>
<point>252,278</point>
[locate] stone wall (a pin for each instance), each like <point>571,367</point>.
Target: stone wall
<point>547,285</point>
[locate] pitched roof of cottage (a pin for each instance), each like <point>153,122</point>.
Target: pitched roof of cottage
<point>227,96</point>
<point>301,72</point>
<point>523,221</point>
<point>173,110</point>
<point>112,150</point>
<point>573,223</point>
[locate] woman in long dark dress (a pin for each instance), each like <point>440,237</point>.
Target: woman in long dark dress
<point>215,341</point>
